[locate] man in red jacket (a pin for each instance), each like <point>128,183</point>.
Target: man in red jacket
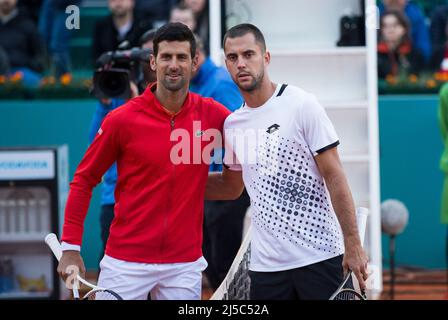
<point>161,142</point>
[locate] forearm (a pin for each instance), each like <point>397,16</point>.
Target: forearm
<point>343,205</point>
<point>218,188</point>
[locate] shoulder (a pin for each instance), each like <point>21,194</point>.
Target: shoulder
<point>291,90</point>
<point>232,119</point>
<point>126,111</point>
<point>296,96</point>
<point>210,106</point>
<point>202,101</point>
<point>216,107</point>
<point>305,104</point>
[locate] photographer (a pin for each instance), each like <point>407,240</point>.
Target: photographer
<point>104,107</point>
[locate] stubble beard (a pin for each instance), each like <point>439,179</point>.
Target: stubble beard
<point>254,85</point>
<point>174,86</point>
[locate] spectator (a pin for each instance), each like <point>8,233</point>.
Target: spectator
<point>116,28</point>
<point>200,10</point>
<point>183,14</point>
<point>21,44</point>
<point>439,35</point>
<point>418,27</point>
<point>110,177</point>
<point>55,34</point>
<point>223,220</point>
<point>396,54</point>
<point>31,8</point>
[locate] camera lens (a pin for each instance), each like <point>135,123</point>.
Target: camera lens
<point>113,83</point>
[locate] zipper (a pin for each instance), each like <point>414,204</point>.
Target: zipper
<point>169,200</point>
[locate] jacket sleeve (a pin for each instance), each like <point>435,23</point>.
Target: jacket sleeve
<point>100,155</point>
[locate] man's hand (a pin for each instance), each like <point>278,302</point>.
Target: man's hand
<point>71,261</point>
<point>225,185</point>
<point>134,89</point>
<point>355,259</point>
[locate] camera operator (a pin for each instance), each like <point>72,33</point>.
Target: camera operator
<point>104,106</point>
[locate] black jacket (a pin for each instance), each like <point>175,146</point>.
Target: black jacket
<point>20,39</point>
<point>406,59</point>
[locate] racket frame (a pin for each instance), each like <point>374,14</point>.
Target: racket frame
<point>52,241</point>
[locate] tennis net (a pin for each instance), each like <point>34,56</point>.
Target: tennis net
<point>236,285</point>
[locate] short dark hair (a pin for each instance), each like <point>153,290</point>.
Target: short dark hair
<point>147,36</point>
<point>174,31</point>
<point>243,29</point>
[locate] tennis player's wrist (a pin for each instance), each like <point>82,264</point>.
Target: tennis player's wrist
<point>70,247</point>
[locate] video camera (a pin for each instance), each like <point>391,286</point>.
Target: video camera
<point>115,69</point>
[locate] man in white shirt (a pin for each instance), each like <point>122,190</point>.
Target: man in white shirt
<point>283,146</point>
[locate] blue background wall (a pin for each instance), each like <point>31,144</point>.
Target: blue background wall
<point>410,147</point>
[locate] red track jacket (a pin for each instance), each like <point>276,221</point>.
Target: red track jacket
<point>159,204</point>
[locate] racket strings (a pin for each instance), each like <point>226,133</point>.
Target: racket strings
<point>347,290</point>
<point>102,295</point>
<point>349,294</point>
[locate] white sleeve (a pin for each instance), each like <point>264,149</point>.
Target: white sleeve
<point>67,246</point>
<point>318,130</point>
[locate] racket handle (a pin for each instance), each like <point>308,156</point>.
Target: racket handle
<point>75,292</point>
<point>52,241</point>
<point>361,219</point>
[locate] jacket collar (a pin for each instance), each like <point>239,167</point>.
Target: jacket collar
<point>155,104</point>
<point>404,48</point>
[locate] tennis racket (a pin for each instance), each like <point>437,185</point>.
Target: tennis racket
<point>95,293</point>
<point>348,289</point>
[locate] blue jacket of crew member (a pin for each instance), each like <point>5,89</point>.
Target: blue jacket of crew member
<point>110,177</point>
<point>215,82</point>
